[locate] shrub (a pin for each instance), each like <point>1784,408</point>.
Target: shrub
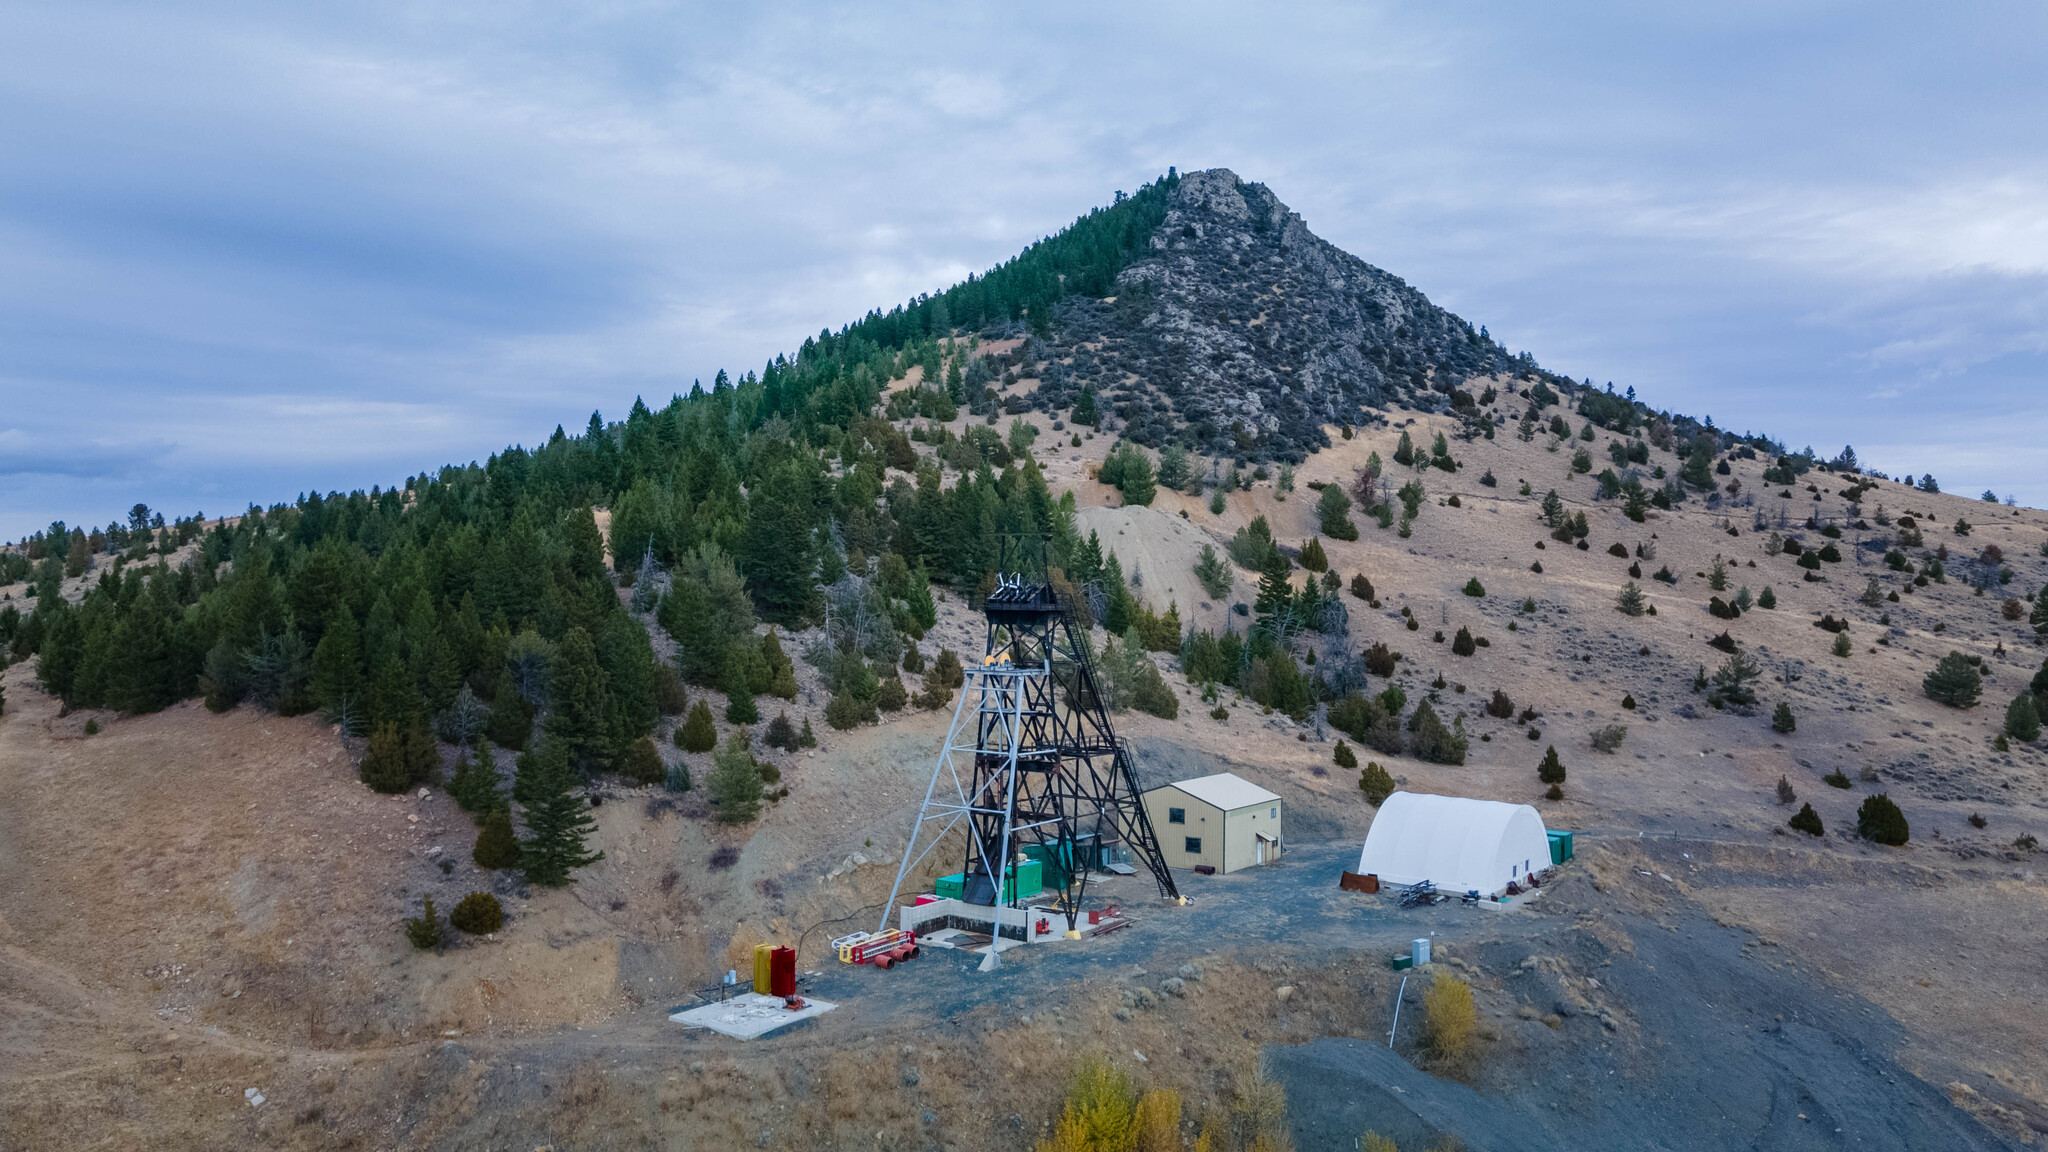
<point>1474,588</point>
<point>1808,821</point>
<point>1343,757</point>
<point>1785,793</point>
<point>1609,738</point>
<point>1552,770</point>
<point>1450,1020</point>
<point>1379,659</point>
<point>698,733</point>
<point>1100,1112</point>
<point>678,778</point>
<point>1362,588</point>
<point>890,695</point>
<point>384,766</point>
<point>1435,743</point>
<point>846,711</point>
<point>643,762</point>
<point>1880,820</point>
<point>1836,779</point>
<point>1954,681</point>
<point>1500,707</point>
<point>496,846</point>
<point>1616,549</point>
<point>1376,783</point>
<point>424,930</point>
<point>1462,643</point>
<point>1782,720</point>
<point>478,914</point>
<point>1554,792</point>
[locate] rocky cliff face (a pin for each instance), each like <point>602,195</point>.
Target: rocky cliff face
<point>1243,333</point>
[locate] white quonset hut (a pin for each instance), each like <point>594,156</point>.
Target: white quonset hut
<point>1461,845</point>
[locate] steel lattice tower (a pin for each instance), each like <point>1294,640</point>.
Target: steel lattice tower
<point>1030,757</point>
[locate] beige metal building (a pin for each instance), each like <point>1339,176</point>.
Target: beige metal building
<point>1223,821</point>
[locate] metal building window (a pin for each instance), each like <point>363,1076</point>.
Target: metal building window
<point>1274,812</point>
<point>1194,846</point>
<point>1176,815</point>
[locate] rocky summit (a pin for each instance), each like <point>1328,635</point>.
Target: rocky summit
<point>1240,332</point>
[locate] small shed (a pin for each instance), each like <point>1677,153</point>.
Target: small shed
<point>1223,821</point>
<point>1460,844</point>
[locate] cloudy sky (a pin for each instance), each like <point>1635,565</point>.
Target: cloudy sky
<point>251,249</point>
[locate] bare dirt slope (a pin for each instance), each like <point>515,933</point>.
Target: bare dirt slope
<point>192,904</point>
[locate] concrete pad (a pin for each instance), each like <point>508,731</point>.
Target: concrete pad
<point>750,1015</point>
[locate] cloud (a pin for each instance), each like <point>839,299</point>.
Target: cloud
<point>25,454</point>
<point>289,247</point>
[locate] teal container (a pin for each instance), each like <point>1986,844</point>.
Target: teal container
<point>1560,845</point>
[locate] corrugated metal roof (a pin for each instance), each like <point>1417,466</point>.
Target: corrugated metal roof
<point>1226,791</point>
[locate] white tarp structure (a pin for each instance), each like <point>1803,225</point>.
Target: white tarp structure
<point>1461,845</point>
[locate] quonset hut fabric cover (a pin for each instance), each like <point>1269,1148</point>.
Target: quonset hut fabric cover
<point>1461,845</point>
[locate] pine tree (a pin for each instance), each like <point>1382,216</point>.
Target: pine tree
<point>1212,573</point>
<point>698,733</point>
<point>739,695</point>
<point>1880,820</point>
<point>424,931</point>
<point>1767,599</point>
<point>580,720</point>
<point>782,681</point>
<point>1782,720</point>
<point>1343,757</point>
<point>384,766</point>
<point>2039,616</point>
<point>642,762</point>
<point>776,553</point>
<point>1404,452</point>
<point>1333,509</point>
<point>735,781</point>
<point>557,819</point>
<point>496,846</point>
<point>511,722</point>
<point>1312,557</point>
<point>475,785</point>
<point>2023,719</point>
<point>1462,644</point>
<point>1953,682</point>
<point>1808,821</point>
<point>422,753</point>
<point>1631,601</point>
<point>1552,770</point>
<point>1275,590</point>
<point>337,674</point>
<point>1362,588</point>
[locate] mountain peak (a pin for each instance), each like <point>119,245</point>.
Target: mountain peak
<point>1238,331</point>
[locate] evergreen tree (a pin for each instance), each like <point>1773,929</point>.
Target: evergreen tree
<point>739,695</point>
<point>424,931</point>
<point>557,819</point>
<point>580,720</point>
<point>1333,509</point>
<point>1275,590</point>
<point>475,784</point>
<point>1343,757</point>
<point>1312,557</point>
<point>511,720</point>
<point>1767,599</point>
<point>1631,600</point>
<point>1432,741</point>
<point>1462,644</point>
<point>642,762</point>
<point>1879,819</point>
<point>1552,770</point>
<point>1212,573</point>
<point>1782,720</point>
<point>776,552</point>
<point>698,733</point>
<point>2039,616</point>
<point>1808,821</point>
<point>496,846</point>
<point>782,670</point>
<point>337,676</point>
<point>422,753</point>
<point>1404,452</point>
<point>1954,681</point>
<point>2023,719</point>
<point>1362,588</point>
<point>631,677</point>
<point>735,782</point>
<point>384,766</point>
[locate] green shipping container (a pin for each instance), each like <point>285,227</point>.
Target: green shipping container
<point>1560,846</point>
<point>1026,878</point>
